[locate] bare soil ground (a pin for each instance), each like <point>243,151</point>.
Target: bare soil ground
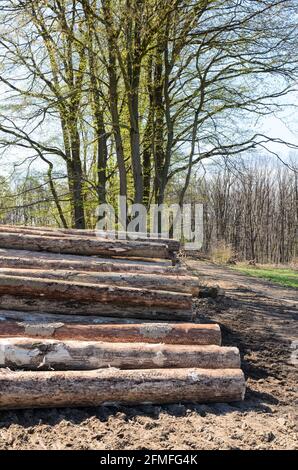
<point>256,316</point>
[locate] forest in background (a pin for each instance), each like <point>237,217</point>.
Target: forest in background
<point>103,98</point>
<point>250,212</point>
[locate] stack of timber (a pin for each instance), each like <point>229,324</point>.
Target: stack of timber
<point>87,320</point>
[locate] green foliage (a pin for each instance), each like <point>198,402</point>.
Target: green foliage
<point>283,276</point>
<point>127,96</point>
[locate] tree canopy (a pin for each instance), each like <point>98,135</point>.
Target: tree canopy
<point>124,96</point>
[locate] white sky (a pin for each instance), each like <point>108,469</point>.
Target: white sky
<point>284,127</point>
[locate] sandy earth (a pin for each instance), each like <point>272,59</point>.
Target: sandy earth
<point>256,316</point>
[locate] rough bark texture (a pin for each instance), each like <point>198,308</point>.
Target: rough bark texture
<point>107,386</point>
<point>37,260</point>
<point>61,327</point>
<point>83,246</point>
<point>34,354</point>
<point>61,290</point>
<point>186,284</point>
<point>33,317</point>
<point>173,245</point>
<point>38,231</point>
<point>72,307</point>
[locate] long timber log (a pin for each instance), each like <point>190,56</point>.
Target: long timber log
<point>60,289</point>
<point>105,299</point>
<point>110,386</point>
<point>58,318</point>
<point>186,284</point>
<point>62,327</point>
<point>33,354</point>
<point>34,231</point>
<point>173,245</point>
<point>84,246</point>
<point>72,307</point>
<point>37,260</point>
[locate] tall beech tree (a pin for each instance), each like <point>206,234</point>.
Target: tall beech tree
<point>125,96</point>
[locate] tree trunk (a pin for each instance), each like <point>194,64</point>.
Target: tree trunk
<point>186,284</point>
<point>84,246</point>
<point>148,141</point>
<point>62,327</point>
<point>97,108</point>
<point>113,97</point>
<point>33,354</point>
<point>132,82</point>
<point>77,175</point>
<point>159,115</point>
<point>94,388</point>
<point>102,155</point>
<point>164,173</point>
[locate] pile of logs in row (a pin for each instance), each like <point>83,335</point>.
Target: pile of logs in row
<point>86,319</point>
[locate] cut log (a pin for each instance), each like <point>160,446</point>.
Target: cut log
<point>187,284</point>
<point>84,246</point>
<point>33,354</point>
<point>33,231</point>
<point>54,318</point>
<point>72,307</point>
<point>26,259</point>
<point>20,324</point>
<point>110,386</point>
<point>173,245</point>
<point>107,294</point>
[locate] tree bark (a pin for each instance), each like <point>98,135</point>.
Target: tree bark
<point>107,386</point>
<point>132,82</point>
<point>73,307</point>
<point>148,143</point>
<point>113,96</point>
<point>30,259</point>
<point>185,284</point>
<point>61,327</point>
<point>33,354</point>
<point>76,177</point>
<point>84,246</point>
<point>173,245</point>
<point>54,289</point>
<point>58,233</point>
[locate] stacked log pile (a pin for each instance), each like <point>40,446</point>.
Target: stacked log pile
<point>86,319</point>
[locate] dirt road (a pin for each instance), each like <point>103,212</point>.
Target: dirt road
<point>230,279</point>
<point>261,320</point>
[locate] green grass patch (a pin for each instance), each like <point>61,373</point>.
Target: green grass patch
<point>283,276</point>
